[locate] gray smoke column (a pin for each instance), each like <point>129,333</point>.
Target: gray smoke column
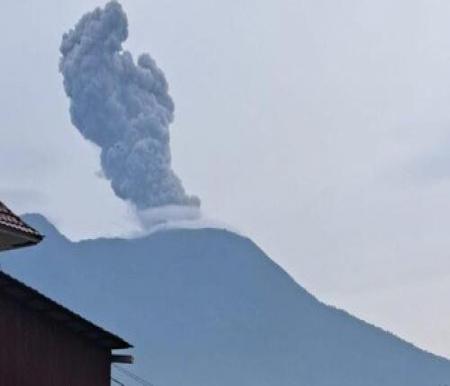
<point>122,106</point>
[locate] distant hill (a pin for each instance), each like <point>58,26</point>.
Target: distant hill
<point>209,308</point>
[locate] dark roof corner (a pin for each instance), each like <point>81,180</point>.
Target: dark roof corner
<point>37,302</point>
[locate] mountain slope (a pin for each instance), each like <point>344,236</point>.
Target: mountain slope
<point>209,308</point>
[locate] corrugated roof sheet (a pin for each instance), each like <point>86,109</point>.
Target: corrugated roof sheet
<point>54,311</point>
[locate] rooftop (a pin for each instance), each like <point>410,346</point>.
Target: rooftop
<point>15,233</point>
<point>34,300</point>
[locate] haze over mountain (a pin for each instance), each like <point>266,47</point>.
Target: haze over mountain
<point>207,307</point>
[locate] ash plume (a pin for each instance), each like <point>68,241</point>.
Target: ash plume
<point>122,106</point>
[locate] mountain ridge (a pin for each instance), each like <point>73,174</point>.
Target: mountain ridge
<point>213,306</point>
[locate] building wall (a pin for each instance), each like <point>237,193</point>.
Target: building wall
<point>36,351</point>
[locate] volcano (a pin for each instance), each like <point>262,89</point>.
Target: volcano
<point>207,307</point>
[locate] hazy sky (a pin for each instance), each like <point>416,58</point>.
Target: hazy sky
<point>320,129</point>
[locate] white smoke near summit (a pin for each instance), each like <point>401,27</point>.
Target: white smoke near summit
<point>122,106</point>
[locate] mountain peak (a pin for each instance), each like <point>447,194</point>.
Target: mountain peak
<point>40,222</point>
<point>208,307</point>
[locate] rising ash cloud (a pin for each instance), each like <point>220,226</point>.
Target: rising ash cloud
<point>123,107</point>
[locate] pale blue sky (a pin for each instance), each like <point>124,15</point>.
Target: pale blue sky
<point>318,128</point>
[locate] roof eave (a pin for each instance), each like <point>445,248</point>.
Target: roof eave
<point>22,239</point>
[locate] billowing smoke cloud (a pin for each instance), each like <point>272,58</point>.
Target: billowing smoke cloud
<point>123,107</point>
